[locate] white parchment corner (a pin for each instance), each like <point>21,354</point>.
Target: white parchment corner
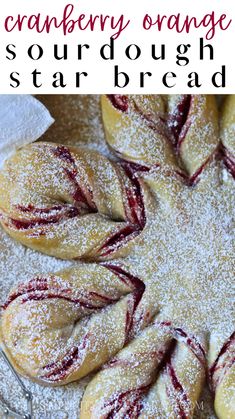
<point>23,119</point>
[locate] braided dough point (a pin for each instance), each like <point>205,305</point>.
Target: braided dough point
<point>199,136</point>
<point>179,132</point>
<point>132,136</point>
<point>118,389</point>
<point>57,328</point>
<point>178,387</point>
<point>71,203</point>
<point>129,385</point>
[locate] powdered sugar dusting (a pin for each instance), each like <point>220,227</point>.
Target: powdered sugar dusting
<point>189,255</point>
<point>185,257</point>
<point>78,121</point>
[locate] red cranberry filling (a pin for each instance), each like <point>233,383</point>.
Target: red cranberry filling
<point>27,225</point>
<point>125,277</point>
<point>134,196</point>
<point>116,240</point>
<point>83,197</point>
<point>191,341</point>
<point>78,194</point>
<point>130,400</point>
<point>193,344</point>
<point>134,298</point>
<point>64,154</point>
<point>62,214</point>
<point>224,366</point>
<point>39,289</point>
<point>229,161</point>
<point>58,370</point>
<point>178,120</point>
<point>193,179</point>
<point>135,212</point>
<point>180,394</point>
<point>39,284</point>
<point>120,102</point>
<point>33,210</point>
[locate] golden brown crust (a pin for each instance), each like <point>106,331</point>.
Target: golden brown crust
<point>130,385</point>
<point>71,203</point>
<point>179,133</point>
<point>78,119</point>
<point>57,328</point>
<point>187,267</point>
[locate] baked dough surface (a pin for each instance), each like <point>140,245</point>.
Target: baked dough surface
<point>185,259</point>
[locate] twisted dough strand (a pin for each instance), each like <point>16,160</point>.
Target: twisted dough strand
<point>179,132</point>
<point>71,203</point>
<point>58,328</point>
<point>69,312</point>
<point>129,386</point>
